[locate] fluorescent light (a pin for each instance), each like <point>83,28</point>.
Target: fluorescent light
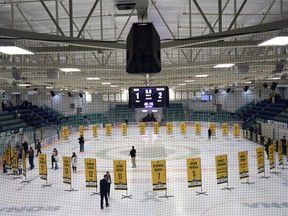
<point>15,93</point>
<point>114,86</point>
<point>69,69</point>
<point>277,41</point>
<point>24,85</point>
<point>106,83</point>
<point>93,78</point>
<point>182,84</point>
<point>203,75</point>
<point>274,78</point>
<point>49,87</point>
<point>75,90</point>
<point>13,50</point>
<point>248,82</point>
<point>224,65</point>
<point>188,81</point>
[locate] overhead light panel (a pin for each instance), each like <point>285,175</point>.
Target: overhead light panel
<point>188,81</point>
<point>93,78</point>
<point>224,65</point>
<point>182,84</point>
<point>276,41</point>
<point>201,76</point>
<point>24,85</point>
<point>70,70</point>
<point>114,86</point>
<point>274,78</point>
<point>106,83</point>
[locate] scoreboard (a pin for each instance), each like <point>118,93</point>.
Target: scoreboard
<point>148,97</point>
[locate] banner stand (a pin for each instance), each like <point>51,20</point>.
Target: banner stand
<point>18,176</point>
<point>127,196</point>
<point>25,180</point>
<point>166,196</point>
<point>95,193</point>
<point>227,187</point>
<point>46,185</point>
<point>265,177</point>
<point>247,182</point>
<point>275,171</point>
<point>201,192</point>
<point>71,189</point>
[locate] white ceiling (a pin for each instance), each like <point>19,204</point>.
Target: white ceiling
<point>188,45</point>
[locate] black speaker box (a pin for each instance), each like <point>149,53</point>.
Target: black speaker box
<point>228,90</point>
<point>273,86</point>
<point>81,95</point>
<point>69,94</point>
<point>143,49</point>
<point>52,93</point>
<point>246,88</point>
<point>265,85</point>
<point>216,91</point>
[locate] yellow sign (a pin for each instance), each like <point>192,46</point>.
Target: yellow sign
<point>271,156</point>
<point>156,127</point>
<point>120,175</point>
<point>8,151</point>
<point>212,126</point>
<point>169,127</point>
<point>221,168</point>
<point>65,132</point>
<point>81,130</point>
<point>24,163</point>
<point>280,155</point>
<point>260,159</point>
<point>108,129</point>
<point>90,172</point>
<point>124,129</point>
<point>94,131</point>
<point>42,166</point>
<point>198,128</point>
<point>142,128</point>
<point>194,172</point>
<point>224,129</point>
<point>158,168</point>
<point>183,128</point>
<point>236,130</point>
<point>66,170</point>
<point>243,164</point>
<point>14,162</point>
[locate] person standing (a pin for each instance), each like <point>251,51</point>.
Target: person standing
<point>81,142</point>
<point>54,159</point>
<point>284,147</point>
<point>38,146</point>
<point>25,147</point>
<point>133,157</point>
<point>104,191</point>
<point>74,162</point>
<point>31,158</point>
<point>209,133</point>
<point>109,180</point>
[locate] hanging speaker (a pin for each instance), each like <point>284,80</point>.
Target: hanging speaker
<point>69,94</point>
<point>81,95</point>
<point>216,91</point>
<point>265,85</point>
<point>52,93</point>
<point>246,88</point>
<point>273,86</point>
<point>228,90</point>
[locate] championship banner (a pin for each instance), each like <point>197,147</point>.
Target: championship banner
<point>124,129</point>
<point>245,134</point>
<point>198,128</point>
<point>259,139</point>
<point>271,156</point>
<point>169,127</point>
<point>24,163</point>
<point>90,172</point>
<point>66,170</point>
<point>156,128</point>
<point>120,175</point>
<point>8,152</point>
<point>236,130</point>
<point>280,155</point>
<point>94,131</point>
<point>14,162</point>
<point>81,130</point>
<point>260,159</point>
<point>183,128</point>
<point>42,166</point>
<point>221,168</point>
<point>243,164</point>
<point>212,126</point>
<point>224,129</point>
<point>194,172</point>
<point>158,168</point>
<point>108,129</point>
<point>65,132</point>
<point>142,128</point>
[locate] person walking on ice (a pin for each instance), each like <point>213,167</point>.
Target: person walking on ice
<point>133,157</point>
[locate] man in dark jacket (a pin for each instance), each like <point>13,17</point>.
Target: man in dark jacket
<point>38,146</point>
<point>25,147</point>
<point>81,142</point>
<point>133,157</point>
<point>104,190</point>
<point>284,147</point>
<point>209,133</point>
<point>31,158</point>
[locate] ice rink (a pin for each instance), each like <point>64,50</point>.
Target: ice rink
<point>265,197</point>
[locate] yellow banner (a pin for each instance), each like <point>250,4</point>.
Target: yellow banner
<point>221,168</point>
<point>243,164</point>
<point>81,130</point>
<point>280,155</point>
<point>108,129</point>
<point>183,128</point>
<point>156,127</point>
<point>260,159</point>
<point>120,175</point>
<point>169,127</point>
<point>90,172</point>
<point>66,170</point>
<point>65,132</point>
<point>94,131</point>
<point>124,129</point>
<point>24,163</point>
<point>198,128</point>
<point>224,129</point>
<point>142,128</point>
<point>8,152</point>
<point>14,162</point>
<point>212,126</point>
<point>271,156</point>
<point>158,168</point>
<point>194,172</point>
<point>42,166</point>
<point>236,130</point>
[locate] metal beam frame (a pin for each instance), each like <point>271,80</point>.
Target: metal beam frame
<point>237,14</point>
<point>204,17</point>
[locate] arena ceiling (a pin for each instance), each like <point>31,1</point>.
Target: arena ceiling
<point>91,35</point>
